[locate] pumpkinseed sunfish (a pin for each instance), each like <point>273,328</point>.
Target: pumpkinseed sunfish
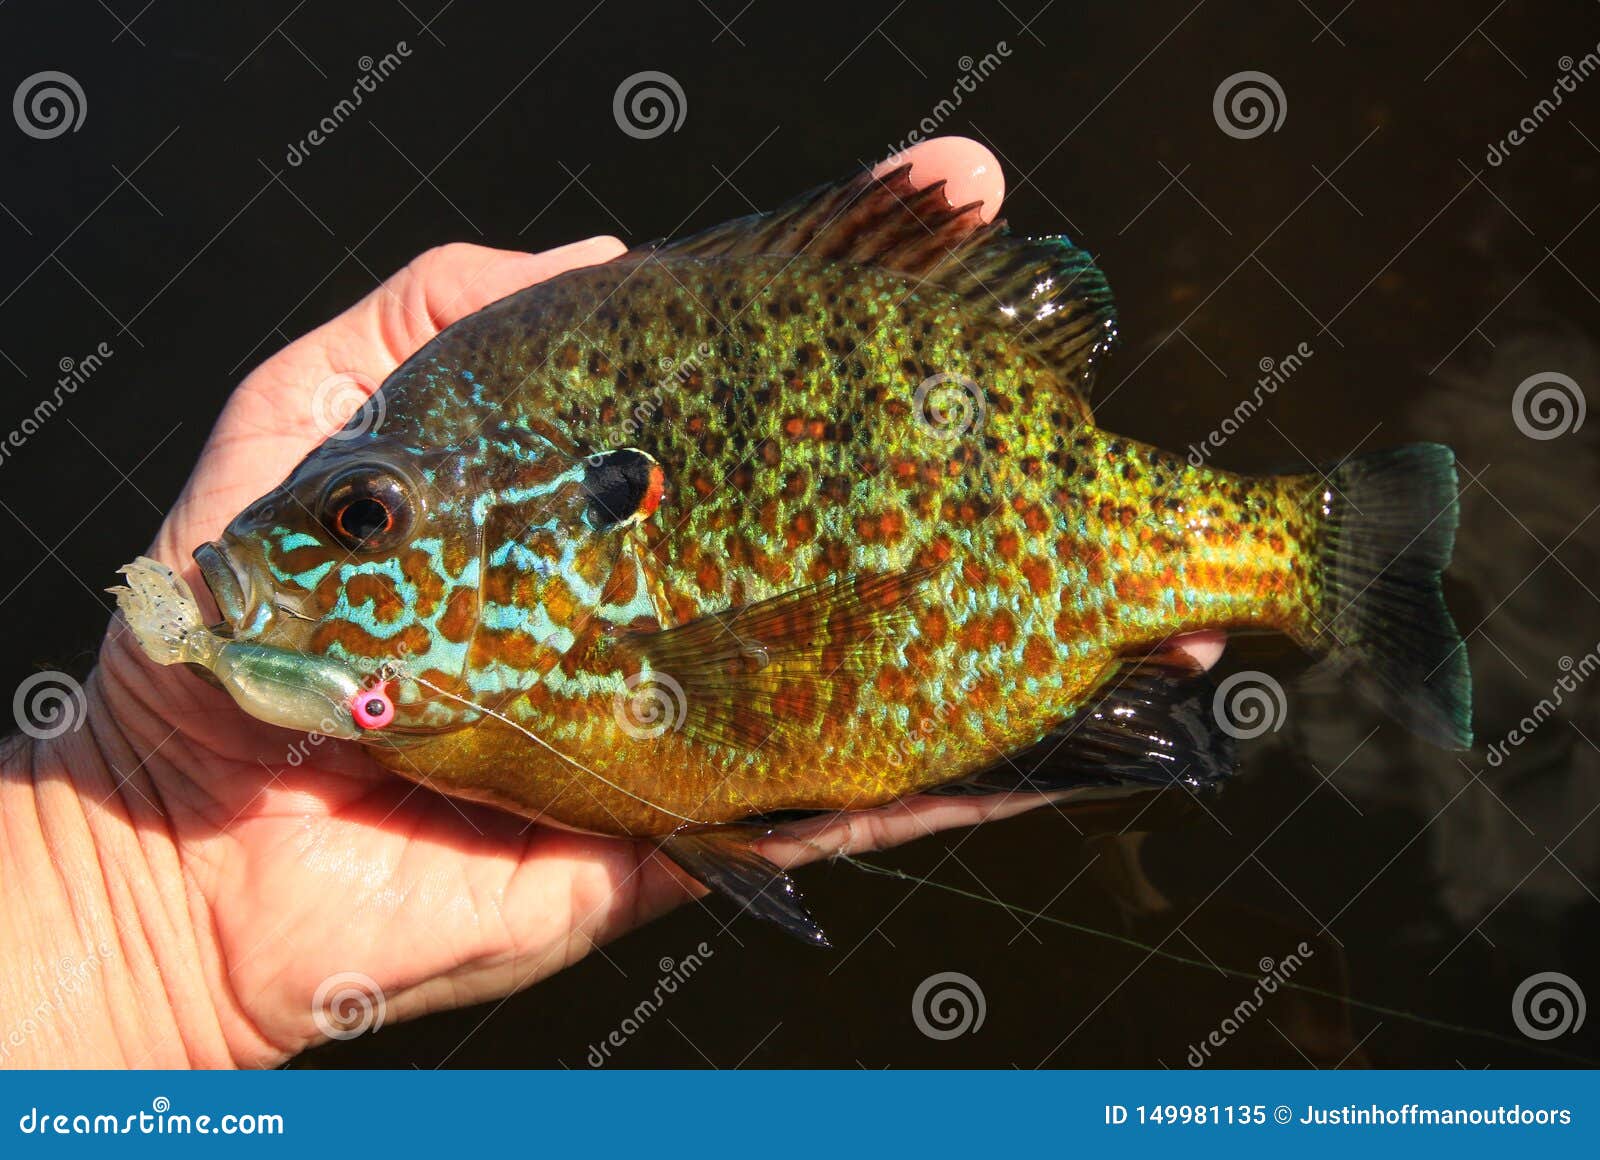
<point>807,512</point>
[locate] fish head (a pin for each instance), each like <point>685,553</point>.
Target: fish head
<point>459,575</point>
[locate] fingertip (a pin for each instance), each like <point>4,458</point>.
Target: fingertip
<point>1204,648</point>
<point>572,256</point>
<point>970,171</point>
<point>487,275</point>
<point>600,248</point>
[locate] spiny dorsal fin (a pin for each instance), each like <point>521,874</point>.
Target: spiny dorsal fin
<point>771,672</point>
<point>1046,292</point>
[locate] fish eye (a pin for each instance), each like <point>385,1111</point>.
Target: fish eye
<point>367,510</point>
<point>624,486</point>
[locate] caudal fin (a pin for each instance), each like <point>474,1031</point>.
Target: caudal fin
<point>1390,528</point>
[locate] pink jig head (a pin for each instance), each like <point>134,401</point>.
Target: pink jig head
<point>372,708</point>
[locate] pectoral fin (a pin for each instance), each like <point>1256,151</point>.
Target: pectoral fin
<point>768,672</point>
<point>724,861</point>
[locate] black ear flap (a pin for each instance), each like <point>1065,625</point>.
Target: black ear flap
<point>623,486</point>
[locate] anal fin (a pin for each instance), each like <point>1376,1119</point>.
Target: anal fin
<point>726,862</point>
<point>1152,725</point>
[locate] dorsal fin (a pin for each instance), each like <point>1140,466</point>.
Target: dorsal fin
<point>1046,292</point>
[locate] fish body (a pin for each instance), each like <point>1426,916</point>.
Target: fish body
<point>809,512</point>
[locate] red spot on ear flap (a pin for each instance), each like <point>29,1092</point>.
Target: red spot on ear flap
<point>372,708</point>
<point>653,493</point>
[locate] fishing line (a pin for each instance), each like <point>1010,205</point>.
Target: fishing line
<point>535,738</point>
<point>1289,985</point>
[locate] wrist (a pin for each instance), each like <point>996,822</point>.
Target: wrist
<point>103,954</point>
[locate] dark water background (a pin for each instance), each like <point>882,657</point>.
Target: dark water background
<point>1370,225</point>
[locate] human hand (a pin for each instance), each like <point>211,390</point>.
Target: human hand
<point>246,865</point>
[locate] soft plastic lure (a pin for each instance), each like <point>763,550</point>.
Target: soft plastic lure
<point>280,686</point>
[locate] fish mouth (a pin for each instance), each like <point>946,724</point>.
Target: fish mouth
<point>228,581</point>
